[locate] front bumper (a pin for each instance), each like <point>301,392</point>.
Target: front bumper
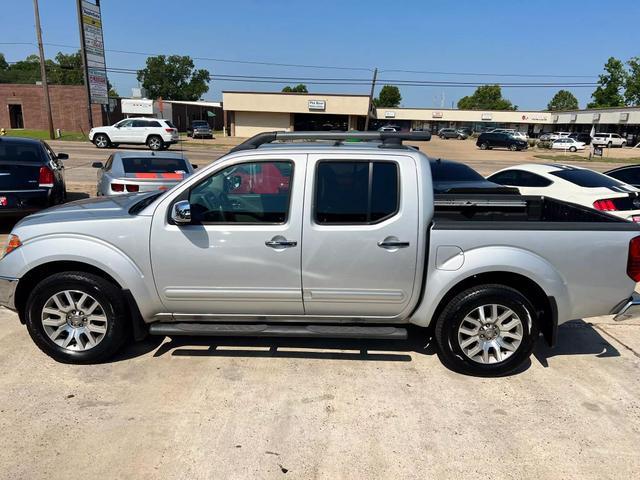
<point>8,287</point>
<point>629,309</point>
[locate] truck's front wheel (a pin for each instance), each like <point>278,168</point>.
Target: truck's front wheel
<point>76,317</point>
<point>487,330</point>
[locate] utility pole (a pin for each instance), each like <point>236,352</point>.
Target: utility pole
<point>83,55</point>
<point>373,87</point>
<point>43,70</point>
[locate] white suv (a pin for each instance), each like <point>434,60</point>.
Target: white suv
<point>608,140</point>
<point>156,133</point>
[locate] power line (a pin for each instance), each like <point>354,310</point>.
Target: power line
<point>328,67</point>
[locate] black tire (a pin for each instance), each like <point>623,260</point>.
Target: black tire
<point>573,149</point>
<point>623,144</point>
<point>155,142</point>
<point>442,137</point>
<point>513,148</point>
<point>111,302</point>
<point>101,140</point>
<point>484,146</point>
<point>609,145</point>
<point>463,305</point>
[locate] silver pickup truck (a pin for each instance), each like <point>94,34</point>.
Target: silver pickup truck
<point>337,236</point>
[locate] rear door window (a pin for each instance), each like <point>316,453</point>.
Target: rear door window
<point>519,178</point>
<point>356,192</point>
<point>586,178</point>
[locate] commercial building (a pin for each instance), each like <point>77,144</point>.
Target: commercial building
<point>249,113</point>
<point>23,106</point>
<point>181,113</point>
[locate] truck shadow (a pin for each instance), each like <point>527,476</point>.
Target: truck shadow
<point>574,338</point>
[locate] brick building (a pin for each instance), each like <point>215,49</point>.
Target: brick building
<point>22,106</point>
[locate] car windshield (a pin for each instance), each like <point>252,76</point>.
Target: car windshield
<point>587,178</point>
<point>154,165</point>
<point>453,172</point>
<point>200,124</point>
<point>20,152</point>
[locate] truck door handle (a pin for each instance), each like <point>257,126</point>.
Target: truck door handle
<point>393,244</point>
<point>281,243</point>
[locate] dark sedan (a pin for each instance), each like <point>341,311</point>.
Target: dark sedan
<point>31,176</point>
<point>453,177</point>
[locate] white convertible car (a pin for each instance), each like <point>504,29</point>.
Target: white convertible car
<point>573,184</point>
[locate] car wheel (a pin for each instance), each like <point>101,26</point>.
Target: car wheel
<point>623,144</point>
<point>154,142</point>
<point>573,149</point>
<point>76,317</point>
<point>484,146</point>
<point>101,140</point>
<point>609,145</point>
<point>442,137</point>
<point>487,330</point>
<point>513,148</point>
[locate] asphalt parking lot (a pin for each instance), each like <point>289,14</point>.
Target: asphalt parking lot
<point>229,408</point>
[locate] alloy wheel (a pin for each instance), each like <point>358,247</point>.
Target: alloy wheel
<point>490,333</point>
<point>74,320</point>
<point>101,141</point>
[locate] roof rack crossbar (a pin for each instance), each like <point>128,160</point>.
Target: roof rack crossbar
<point>388,139</point>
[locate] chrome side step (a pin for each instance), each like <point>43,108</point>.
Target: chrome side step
<point>266,330</point>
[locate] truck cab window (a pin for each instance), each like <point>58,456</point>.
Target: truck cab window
<point>255,192</point>
<point>356,192</point>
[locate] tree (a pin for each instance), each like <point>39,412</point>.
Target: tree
<point>632,83</point>
<point>563,100</point>
<point>608,93</point>
<point>389,97</point>
<point>173,78</point>
<point>300,88</point>
<point>66,70</point>
<point>3,63</point>
<point>486,97</point>
<point>111,90</point>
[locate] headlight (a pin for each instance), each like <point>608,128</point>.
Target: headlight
<point>13,242</point>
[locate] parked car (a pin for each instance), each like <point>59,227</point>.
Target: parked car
<point>546,137</point>
<point>199,129</point>
<point>573,184</point>
<point>567,143</point>
<point>446,133</point>
<point>550,137</point>
<point>608,140</point>
<point>466,130</point>
<point>449,177</point>
<point>581,137</point>
<point>487,141</point>
<point>156,133</point>
<point>31,176</point>
<point>629,174</point>
<point>132,172</point>
<point>223,253</point>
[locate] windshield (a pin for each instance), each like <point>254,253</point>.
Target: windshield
<point>587,178</point>
<point>453,172</point>
<point>199,124</point>
<point>154,165</point>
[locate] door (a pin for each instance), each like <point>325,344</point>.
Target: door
<point>240,255</point>
<point>15,116</point>
<point>360,235</point>
<point>122,132</point>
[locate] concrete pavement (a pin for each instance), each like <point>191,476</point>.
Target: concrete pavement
<point>225,408</point>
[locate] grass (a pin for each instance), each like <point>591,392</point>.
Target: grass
<point>570,157</point>
<point>44,134</point>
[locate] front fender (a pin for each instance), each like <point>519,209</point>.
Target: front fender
<point>130,275</point>
<point>490,260</point>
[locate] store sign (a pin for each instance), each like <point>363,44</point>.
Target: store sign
<point>389,114</point>
<point>486,116</point>
<point>93,46</point>
<point>317,105</point>
<point>535,117</point>
<point>436,114</point>
<point>134,106</point>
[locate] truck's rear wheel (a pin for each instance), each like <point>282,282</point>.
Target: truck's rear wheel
<point>487,330</point>
<point>76,317</point>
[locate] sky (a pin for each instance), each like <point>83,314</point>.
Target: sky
<point>441,38</point>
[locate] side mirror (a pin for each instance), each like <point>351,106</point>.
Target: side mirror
<point>97,165</point>
<point>181,212</point>
<point>194,166</point>
<point>62,156</point>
